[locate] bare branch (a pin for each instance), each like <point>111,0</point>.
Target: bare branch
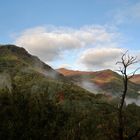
<point>131,60</point>
<point>133,73</point>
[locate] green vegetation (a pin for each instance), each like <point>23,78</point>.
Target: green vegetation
<point>25,115</point>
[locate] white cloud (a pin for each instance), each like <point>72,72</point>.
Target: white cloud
<point>100,58</point>
<point>51,43</point>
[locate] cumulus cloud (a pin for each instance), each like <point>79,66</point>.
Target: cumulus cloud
<point>50,42</point>
<point>100,58</point>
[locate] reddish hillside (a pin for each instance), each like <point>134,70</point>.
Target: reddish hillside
<point>103,76</point>
<point>100,78</point>
<point>136,79</point>
<point>67,72</point>
<point>106,81</point>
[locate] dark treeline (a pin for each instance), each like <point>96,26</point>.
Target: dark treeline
<point>25,116</point>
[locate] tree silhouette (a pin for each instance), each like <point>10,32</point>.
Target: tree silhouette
<point>125,63</point>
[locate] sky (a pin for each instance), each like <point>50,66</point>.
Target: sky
<point>75,34</point>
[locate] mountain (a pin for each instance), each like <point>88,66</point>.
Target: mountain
<point>67,72</point>
<point>17,58</point>
<point>23,72</point>
<point>105,81</point>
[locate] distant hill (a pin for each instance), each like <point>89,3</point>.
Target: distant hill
<point>67,72</point>
<point>105,81</point>
<point>136,79</point>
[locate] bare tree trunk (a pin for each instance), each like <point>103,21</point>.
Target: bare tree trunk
<point>121,119</point>
<point>120,115</point>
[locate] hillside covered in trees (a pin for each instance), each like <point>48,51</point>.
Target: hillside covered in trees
<point>39,103</point>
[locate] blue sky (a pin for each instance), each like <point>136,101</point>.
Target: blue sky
<point>72,33</point>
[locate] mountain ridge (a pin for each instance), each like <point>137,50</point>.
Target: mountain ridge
<point>104,81</point>
<point>14,54</point>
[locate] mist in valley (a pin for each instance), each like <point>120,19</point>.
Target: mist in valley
<point>90,86</point>
<point>5,81</point>
<point>131,100</point>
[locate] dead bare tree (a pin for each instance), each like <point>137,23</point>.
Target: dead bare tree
<point>125,62</point>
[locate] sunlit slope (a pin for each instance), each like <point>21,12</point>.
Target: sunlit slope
<point>136,79</point>
<point>105,81</point>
